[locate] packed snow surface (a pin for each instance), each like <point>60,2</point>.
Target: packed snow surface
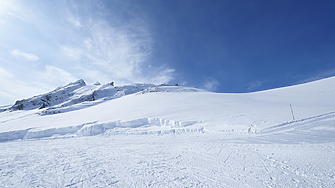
<point>147,135</point>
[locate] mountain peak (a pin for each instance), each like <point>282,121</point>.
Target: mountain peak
<point>78,92</point>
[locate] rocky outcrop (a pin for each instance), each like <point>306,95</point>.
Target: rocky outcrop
<point>75,93</point>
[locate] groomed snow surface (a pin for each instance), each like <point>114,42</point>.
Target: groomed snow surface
<point>170,136</point>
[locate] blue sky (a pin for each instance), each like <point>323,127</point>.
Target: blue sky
<point>222,46</point>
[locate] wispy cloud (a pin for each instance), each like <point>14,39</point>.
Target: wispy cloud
<point>117,51</point>
<point>5,74</point>
<point>211,84</point>
<point>78,40</point>
<point>72,53</point>
<point>255,85</point>
<point>159,75</point>
<point>8,7</point>
<point>12,88</point>
<point>74,21</point>
<point>23,55</point>
<point>56,75</point>
<point>17,9</point>
<point>121,51</point>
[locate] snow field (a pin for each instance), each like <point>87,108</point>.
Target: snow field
<point>175,137</point>
<point>171,160</point>
<point>295,154</point>
<point>214,112</point>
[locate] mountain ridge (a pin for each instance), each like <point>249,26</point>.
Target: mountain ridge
<point>78,92</point>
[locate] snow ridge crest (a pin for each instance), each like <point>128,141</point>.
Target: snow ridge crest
<point>79,92</point>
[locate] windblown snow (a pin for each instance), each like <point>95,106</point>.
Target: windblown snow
<point>147,135</point>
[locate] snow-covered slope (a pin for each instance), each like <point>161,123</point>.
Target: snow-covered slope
<point>94,109</point>
<point>170,136</point>
<point>74,93</point>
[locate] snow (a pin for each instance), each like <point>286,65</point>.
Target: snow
<point>63,98</point>
<point>147,135</point>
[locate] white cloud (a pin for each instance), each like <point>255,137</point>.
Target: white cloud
<point>71,53</point>
<point>93,75</point>
<point>8,7</point>
<point>160,75</point>
<point>12,89</point>
<point>256,84</point>
<point>77,40</point>
<point>118,52</point>
<point>211,84</point>
<point>5,74</point>
<point>23,55</point>
<point>115,50</point>
<point>74,21</point>
<point>17,9</point>
<point>88,43</point>
<point>183,83</point>
<point>56,76</point>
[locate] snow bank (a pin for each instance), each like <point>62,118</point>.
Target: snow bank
<point>97,127</point>
<point>12,135</point>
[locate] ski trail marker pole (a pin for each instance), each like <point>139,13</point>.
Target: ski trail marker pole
<point>292,112</point>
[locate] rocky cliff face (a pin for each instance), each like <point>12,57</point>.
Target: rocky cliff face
<point>75,93</point>
<point>57,96</point>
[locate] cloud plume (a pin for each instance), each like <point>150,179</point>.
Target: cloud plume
<point>27,56</point>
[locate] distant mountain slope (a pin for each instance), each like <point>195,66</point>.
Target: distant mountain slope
<point>74,93</point>
<point>150,109</point>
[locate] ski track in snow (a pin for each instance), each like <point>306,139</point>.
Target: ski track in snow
<point>164,161</point>
<point>164,154</point>
<point>286,155</point>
